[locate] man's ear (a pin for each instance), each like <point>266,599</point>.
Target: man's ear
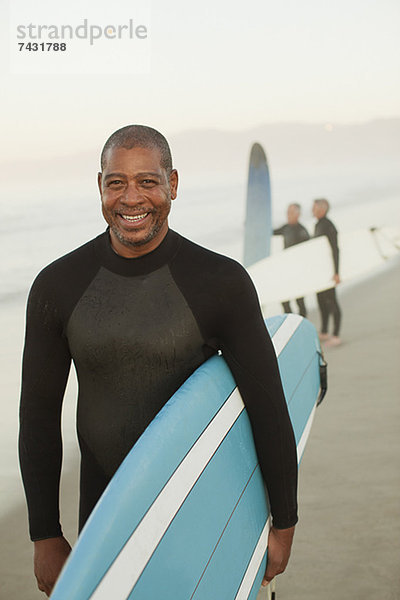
<point>173,183</point>
<point>99,176</point>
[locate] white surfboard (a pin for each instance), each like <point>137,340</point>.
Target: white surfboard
<point>308,267</point>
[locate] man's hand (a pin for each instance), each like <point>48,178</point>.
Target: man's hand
<point>48,560</point>
<point>336,278</point>
<point>279,545</point>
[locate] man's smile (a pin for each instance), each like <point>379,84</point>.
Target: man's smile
<point>134,218</point>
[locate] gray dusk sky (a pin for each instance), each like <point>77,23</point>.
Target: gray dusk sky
<point>217,64</point>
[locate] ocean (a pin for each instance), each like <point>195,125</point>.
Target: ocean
<point>39,230</point>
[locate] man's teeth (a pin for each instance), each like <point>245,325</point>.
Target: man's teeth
<point>135,217</point>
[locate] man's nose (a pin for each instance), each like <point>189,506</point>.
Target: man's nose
<point>132,194</point>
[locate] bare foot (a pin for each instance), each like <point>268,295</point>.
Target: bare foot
<point>333,341</point>
<point>324,337</point>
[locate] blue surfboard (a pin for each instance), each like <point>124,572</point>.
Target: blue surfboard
<point>187,513</point>
<point>258,224</point>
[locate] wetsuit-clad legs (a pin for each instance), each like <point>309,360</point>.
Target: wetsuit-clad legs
<point>302,307</point>
<point>300,304</point>
<point>328,305</point>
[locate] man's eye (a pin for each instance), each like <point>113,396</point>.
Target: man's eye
<point>115,182</point>
<point>148,182</point>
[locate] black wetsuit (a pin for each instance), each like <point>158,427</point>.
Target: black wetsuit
<point>327,300</point>
<point>292,235</point>
<point>136,329</point>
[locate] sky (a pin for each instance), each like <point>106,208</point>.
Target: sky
<point>223,64</point>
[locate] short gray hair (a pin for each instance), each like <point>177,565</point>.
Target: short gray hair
<point>139,136</point>
<point>322,202</point>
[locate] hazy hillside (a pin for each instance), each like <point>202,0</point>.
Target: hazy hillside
<point>346,161</point>
<point>291,145</point>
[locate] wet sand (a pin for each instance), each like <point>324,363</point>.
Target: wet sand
<point>347,543</point>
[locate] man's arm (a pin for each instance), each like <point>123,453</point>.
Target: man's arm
<point>326,227</point>
<point>279,230</point>
<point>248,349</point>
<point>304,234</point>
<point>46,364</point>
<point>333,240</point>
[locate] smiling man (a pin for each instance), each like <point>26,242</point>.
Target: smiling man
<point>137,310</point>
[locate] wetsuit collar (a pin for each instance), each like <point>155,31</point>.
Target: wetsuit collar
<point>142,264</point>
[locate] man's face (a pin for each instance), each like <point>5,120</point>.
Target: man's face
<point>136,195</point>
<point>292,215</point>
<point>318,210</point>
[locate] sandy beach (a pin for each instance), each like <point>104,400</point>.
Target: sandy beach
<point>347,543</point>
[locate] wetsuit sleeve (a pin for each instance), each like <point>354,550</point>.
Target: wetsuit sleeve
<point>279,230</point>
<point>332,237</point>
<point>326,227</point>
<point>304,234</point>
<point>46,364</point>
<point>248,350</point>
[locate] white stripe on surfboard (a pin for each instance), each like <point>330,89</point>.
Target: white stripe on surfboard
<point>143,541</point>
<point>134,556</point>
<point>254,564</point>
<point>285,332</point>
<point>260,549</point>
<point>304,436</point>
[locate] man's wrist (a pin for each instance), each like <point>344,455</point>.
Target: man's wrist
<point>288,532</point>
<point>47,540</point>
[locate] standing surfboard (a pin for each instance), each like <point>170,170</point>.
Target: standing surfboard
<point>258,224</point>
<point>186,515</point>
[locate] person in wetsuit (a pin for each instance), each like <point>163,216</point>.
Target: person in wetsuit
<point>293,233</point>
<point>137,310</point>
<point>327,300</point>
